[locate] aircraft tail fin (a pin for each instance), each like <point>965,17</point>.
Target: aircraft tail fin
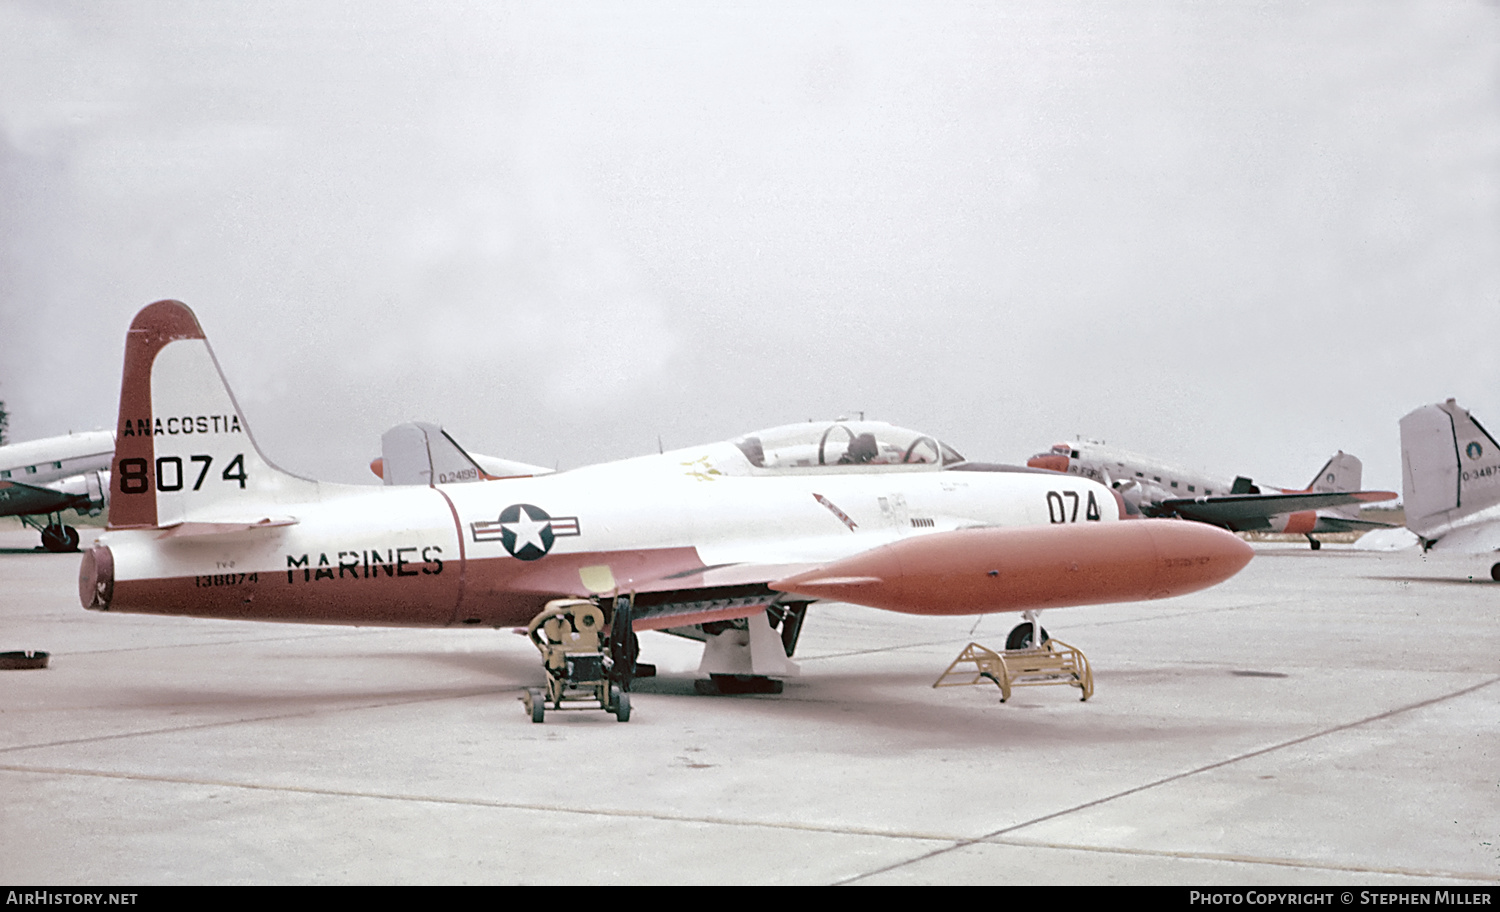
<point>1342,472</point>
<point>182,447</point>
<point>418,453</point>
<point>1450,467</point>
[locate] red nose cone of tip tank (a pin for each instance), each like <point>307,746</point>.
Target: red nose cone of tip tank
<point>978,571</point>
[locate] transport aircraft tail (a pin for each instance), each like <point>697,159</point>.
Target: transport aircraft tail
<point>182,448</point>
<point>1342,472</point>
<point>1450,467</point>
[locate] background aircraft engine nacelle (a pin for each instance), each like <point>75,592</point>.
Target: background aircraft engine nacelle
<point>1053,461</point>
<point>978,571</point>
<point>89,490</point>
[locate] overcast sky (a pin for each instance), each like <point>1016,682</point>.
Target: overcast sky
<point>1238,236</point>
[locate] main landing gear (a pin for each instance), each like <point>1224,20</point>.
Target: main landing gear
<point>56,537</point>
<point>748,655</point>
<point>580,674</point>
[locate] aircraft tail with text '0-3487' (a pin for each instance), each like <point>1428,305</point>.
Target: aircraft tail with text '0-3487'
<point>1450,480</point>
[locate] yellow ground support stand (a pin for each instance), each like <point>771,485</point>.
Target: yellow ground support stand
<point>1054,663</point>
<point>567,633</point>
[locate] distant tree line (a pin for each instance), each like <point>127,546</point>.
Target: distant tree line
<point>4,422</point>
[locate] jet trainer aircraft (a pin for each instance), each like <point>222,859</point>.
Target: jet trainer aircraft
<point>45,477</point>
<point>1330,503</point>
<point>724,543</point>
<point>1450,482</point>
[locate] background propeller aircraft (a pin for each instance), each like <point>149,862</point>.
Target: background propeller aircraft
<point>1450,482</point>
<point>45,477</point>
<point>727,543</point>
<point>1330,503</point>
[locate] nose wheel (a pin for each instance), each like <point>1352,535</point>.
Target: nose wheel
<point>1022,636</point>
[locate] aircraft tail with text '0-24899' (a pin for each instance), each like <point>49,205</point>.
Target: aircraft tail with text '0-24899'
<point>1450,481</point>
<point>721,542</point>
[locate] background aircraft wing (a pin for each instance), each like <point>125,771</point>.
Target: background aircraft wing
<point>21,499</point>
<point>1237,508</point>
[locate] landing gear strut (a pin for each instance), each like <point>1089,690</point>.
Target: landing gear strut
<point>56,537</point>
<point>1023,635</point>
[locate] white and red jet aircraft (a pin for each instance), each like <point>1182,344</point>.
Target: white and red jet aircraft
<point>722,542</point>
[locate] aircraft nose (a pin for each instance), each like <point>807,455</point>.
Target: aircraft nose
<point>1193,556</point>
<point>1054,461</point>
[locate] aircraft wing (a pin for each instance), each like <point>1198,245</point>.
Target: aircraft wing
<point>1234,509</point>
<point>21,499</point>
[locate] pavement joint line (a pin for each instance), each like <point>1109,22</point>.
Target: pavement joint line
<point>199,726</point>
<point>476,802</point>
<point>988,837</point>
<point>777,825</point>
<point>1247,859</point>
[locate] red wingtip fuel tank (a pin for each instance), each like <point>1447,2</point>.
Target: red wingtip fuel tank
<point>979,571</point>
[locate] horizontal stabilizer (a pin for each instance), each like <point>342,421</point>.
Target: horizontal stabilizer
<point>1328,523</point>
<point>221,527</point>
<point>1474,539</point>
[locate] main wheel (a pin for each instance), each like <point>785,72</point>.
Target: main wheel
<point>1495,573</point>
<point>622,706</point>
<point>57,538</point>
<point>623,645</point>
<point>1020,637</point>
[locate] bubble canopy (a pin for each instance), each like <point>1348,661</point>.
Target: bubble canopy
<point>843,445</point>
